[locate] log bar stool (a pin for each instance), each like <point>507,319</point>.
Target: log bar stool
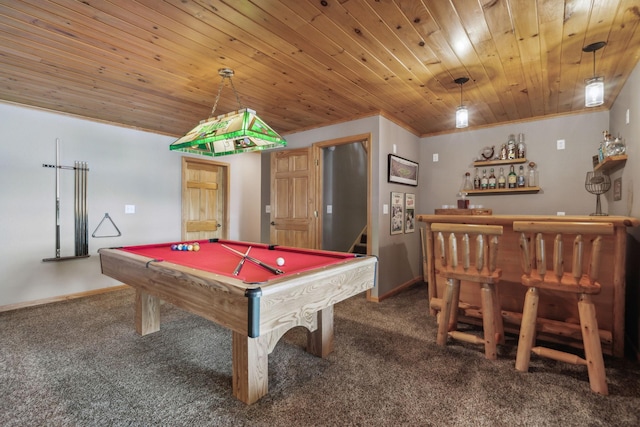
<point>536,276</point>
<point>483,271</point>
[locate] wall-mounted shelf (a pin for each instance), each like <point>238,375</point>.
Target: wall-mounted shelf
<point>611,163</point>
<point>479,163</point>
<point>503,191</point>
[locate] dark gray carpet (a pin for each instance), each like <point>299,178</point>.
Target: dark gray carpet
<point>80,363</point>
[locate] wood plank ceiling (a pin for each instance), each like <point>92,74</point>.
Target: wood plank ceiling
<point>300,64</point>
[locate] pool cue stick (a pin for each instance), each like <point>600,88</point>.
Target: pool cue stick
<point>57,198</point>
<point>76,207</point>
<point>85,222</point>
<point>241,263</point>
<point>255,261</point>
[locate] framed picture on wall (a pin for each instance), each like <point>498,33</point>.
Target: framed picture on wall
<point>402,171</point>
<point>397,212</point>
<point>409,213</point>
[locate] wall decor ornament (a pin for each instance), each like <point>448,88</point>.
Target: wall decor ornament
<point>397,212</point>
<point>402,171</point>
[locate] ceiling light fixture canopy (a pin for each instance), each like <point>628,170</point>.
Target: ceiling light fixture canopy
<point>594,90</point>
<point>462,114</point>
<point>239,131</point>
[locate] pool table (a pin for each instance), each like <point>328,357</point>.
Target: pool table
<point>257,304</point>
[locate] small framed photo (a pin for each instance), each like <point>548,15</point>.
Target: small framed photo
<point>409,213</point>
<point>402,171</point>
<point>397,212</point>
<point>617,189</point>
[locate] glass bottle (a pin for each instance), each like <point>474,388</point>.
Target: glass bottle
<point>521,179</point>
<point>466,183</point>
<point>502,180</point>
<point>484,182</point>
<point>533,182</point>
<point>492,180</point>
<point>521,146</point>
<point>511,147</point>
<point>512,178</point>
<point>476,181</point>
<point>503,152</point>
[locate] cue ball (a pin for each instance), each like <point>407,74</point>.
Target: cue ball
<point>280,261</point>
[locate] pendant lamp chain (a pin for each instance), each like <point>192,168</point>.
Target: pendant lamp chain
<point>225,73</point>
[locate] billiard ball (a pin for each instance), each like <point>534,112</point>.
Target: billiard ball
<point>179,247</point>
<point>196,247</point>
<point>189,247</point>
<point>280,261</point>
<point>174,247</point>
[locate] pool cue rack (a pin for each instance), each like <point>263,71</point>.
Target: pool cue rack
<point>81,170</point>
<point>106,216</point>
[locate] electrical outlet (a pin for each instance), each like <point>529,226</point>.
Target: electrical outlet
<point>435,157</point>
<point>560,214</point>
<point>129,209</point>
<point>560,144</point>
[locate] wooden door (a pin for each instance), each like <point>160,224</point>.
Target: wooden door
<point>204,199</point>
<point>293,208</point>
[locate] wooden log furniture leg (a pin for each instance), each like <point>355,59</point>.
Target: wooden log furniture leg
<point>556,275</point>
<point>478,267</point>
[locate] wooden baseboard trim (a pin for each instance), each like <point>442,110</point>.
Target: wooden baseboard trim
<point>35,303</point>
<point>395,291</point>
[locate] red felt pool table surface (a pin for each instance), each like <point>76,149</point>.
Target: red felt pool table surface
<point>215,258</point>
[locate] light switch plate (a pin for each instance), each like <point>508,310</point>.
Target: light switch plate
<point>435,157</point>
<point>560,144</point>
<point>129,209</point>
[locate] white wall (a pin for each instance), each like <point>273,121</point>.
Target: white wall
<point>628,99</point>
<point>126,167</point>
<point>561,172</point>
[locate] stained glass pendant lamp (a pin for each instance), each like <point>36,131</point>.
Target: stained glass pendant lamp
<point>239,131</point>
<point>462,114</point>
<point>594,89</point>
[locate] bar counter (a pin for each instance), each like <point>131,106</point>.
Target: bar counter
<point>557,317</point>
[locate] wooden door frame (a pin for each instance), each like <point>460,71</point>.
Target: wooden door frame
<point>317,147</point>
<point>227,172</point>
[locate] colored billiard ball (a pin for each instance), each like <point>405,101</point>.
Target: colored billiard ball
<point>280,261</point>
<point>179,247</point>
<point>189,247</point>
<point>196,247</point>
<point>174,247</point>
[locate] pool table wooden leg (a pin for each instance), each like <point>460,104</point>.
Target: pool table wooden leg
<point>147,313</point>
<point>250,367</point>
<point>320,341</point>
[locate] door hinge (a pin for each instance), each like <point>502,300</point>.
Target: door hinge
<point>315,213</point>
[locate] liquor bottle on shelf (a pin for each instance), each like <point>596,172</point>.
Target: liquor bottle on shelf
<point>466,182</point>
<point>492,180</point>
<point>502,180</point>
<point>521,146</point>
<point>521,180</point>
<point>503,152</point>
<point>476,181</point>
<point>484,182</point>
<point>512,178</point>
<point>511,147</point>
<point>532,182</point>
